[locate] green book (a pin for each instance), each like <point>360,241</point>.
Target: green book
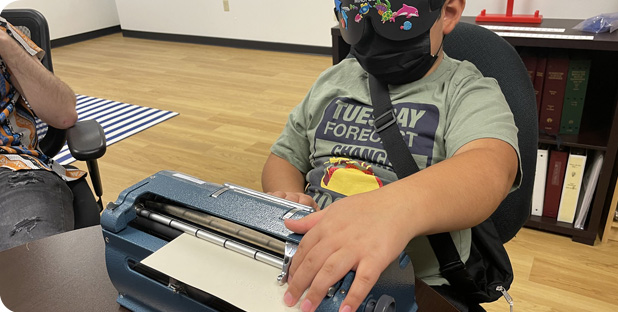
<point>574,95</point>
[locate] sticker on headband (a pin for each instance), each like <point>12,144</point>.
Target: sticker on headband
<point>382,8</point>
<point>406,26</point>
<point>343,12</point>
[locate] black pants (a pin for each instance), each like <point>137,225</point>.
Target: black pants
<point>457,300</point>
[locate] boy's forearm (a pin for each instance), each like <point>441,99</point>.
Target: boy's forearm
<point>279,175</point>
<point>51,99</point>
<point>455,194</point>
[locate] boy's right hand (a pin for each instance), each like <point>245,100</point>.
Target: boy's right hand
<point>297,197</point>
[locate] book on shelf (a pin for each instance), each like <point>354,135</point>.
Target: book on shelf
<point>589,184</point>
<point>553,186</point>
<point>529,58</point>
<point>539,80</point>
<point>538,190</point>
<point>574,95</point>
<point>571,187</point>
<point>552,99</point>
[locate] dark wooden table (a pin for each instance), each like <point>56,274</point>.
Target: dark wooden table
<point>67,272</point>
<point>64,272</point>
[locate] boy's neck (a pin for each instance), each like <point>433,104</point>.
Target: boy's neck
<point>436,64</point>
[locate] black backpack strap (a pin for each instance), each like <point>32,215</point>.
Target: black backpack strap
<point>451,266</point>
<point>385,122</point>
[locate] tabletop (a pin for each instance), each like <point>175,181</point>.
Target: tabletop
<point>67,272</point>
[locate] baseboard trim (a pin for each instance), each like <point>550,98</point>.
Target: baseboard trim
<point>85,36</point>
<point>234,43</point>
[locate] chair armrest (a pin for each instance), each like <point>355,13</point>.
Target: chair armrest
<point>86,140</point>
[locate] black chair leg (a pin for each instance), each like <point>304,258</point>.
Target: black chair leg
<point>95,178</point>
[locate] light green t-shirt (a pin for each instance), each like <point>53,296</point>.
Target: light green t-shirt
<point>330,136</point>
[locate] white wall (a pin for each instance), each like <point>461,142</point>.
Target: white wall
<point>299,22</point>
<point>73,17</point>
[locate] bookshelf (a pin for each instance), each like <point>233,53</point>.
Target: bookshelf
<point>599,128</point>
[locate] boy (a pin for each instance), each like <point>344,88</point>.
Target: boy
<point>456,123</point>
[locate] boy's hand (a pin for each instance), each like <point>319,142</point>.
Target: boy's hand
<point>296,197</point>
<point>351,235</point>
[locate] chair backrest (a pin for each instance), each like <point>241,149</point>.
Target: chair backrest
<point>37,27</point>
<point>496,58</point>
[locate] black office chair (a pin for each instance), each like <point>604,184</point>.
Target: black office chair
<point>86,139</point>
<point>496,58</point>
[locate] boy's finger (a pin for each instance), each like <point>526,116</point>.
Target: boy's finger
<point>332,271</point>
<point>302,226</point>
<point>364,280</point>
<point>308,201</point>
<point>279,194</point>
<point>304,270</point>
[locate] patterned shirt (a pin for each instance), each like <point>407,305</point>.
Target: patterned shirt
<point>19,143</point>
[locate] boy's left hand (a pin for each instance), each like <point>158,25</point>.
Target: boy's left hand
<point>353,234</point>
<point>297,197</point>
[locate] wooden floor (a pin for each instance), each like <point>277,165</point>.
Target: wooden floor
<point>233,104</point>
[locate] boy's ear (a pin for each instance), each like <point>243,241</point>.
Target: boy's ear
<point>451,13</point>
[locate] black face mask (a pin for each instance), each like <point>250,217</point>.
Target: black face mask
<point>394,62</point>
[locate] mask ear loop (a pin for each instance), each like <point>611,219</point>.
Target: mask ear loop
<point>443,36</point>
<point>440,48</point>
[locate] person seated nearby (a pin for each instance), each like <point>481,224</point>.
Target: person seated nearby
<point>36,199</point>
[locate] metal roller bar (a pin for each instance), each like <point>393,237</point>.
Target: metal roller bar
<point>212,238</point>
<point>220,225</point>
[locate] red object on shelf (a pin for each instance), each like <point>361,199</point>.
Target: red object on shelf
<point>509,17</point>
